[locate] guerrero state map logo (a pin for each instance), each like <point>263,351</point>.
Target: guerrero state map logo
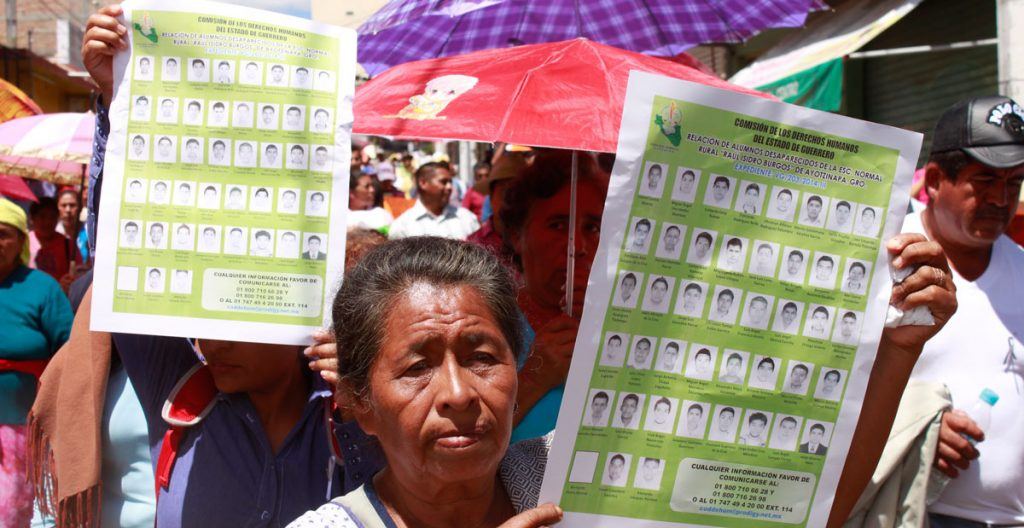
<point>146,29</point>
<point>668,120</point>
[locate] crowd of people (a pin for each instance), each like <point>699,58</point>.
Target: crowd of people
<point>433,399</point>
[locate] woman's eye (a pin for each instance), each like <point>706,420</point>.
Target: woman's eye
<point>483,357</point>
<point>417,368</point>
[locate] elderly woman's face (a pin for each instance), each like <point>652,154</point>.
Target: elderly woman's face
<point>11,241</point>
<point>443,386</point>
<point>542,243</point>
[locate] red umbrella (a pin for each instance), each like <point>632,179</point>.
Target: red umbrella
<point>16,188</point>
<point>566,95</point>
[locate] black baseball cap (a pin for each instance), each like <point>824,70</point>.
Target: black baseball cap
<point>988,129</point>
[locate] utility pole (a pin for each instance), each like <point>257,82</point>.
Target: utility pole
<point>11,8</point>
<point>1009,20</point>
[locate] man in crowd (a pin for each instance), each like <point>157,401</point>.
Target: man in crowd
<point>433,214</point>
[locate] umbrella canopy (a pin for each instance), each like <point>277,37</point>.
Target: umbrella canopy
<point>566,95</point>
<point>424,29</point>
<point>49,147</point>
<point>15,188</point>
<point>14,103</point>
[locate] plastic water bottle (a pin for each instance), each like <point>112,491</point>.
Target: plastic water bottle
<point>981,412</point>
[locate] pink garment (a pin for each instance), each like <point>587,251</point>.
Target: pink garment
<point>15,489</point>
<point>922,195</point>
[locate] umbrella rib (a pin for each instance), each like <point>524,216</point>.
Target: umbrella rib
<point>657,27</point>
<point>725,23</point>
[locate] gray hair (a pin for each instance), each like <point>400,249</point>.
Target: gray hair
<point>366,296</point>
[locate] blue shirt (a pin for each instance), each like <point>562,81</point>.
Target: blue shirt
<point>35,320</point>
<point>540,420</point>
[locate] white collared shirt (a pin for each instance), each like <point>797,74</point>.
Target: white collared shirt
<point>453,222</point>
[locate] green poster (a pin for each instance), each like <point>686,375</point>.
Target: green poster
<point>729,329</point>
<point>225,185</point>
<point>820,87</point>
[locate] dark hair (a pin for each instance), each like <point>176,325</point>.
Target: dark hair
<point>821,309</point>
<point>842,203</point>
<point>722,179</point>
<point>850,315</point>
<point>834,372</point>
<point>218,104</point>
<point>297,109</point>
<point>788,419</point>
<point>70,192</point>
<point>790,304</point>
<point>297,147</point>
<point>661,280</point>
<point>757,416</point>
<point>209,188</point>
<point>863,269</point>
<point>753,186</point>
<point>634,397</point>
<point>785,191</point>
<point>301,69</point>
<point>601,394</point>
<point>735,356</point>
<point>732,296</point>
<point>693,286</point>
<point>209,230</point>
<point>704,351</point>
<point>663,400</point>
<point>642,341</point>
<point>643,222</point>
<point>629,276</point>
<point>192,141</point>
<point>141,98</point>
<point>671,227</point>
<point>389,270</point>
<point>131,224</point>
<point>144,59</point>
<point>312,238</point>
<point>321,111</point>
<point>45,203</point>
<point>164,138</point>
<point>734,242</point>
<point>796,252</point>
<point>277,67</point>
<point>617,457</point>
<point>615,336</point>
<point>769,361</point>
<point>264,189</point>
<point>705,236</point>
<point>672,344</point>
<point>262,233</point>
<point>826,259</point>
<point>730,410</point>
<point>655,166</point>
<point>800,366</point>
<point>288,191</point>
<point>171,59</point>
<point>223,63</point>
<point>233,229</point>
<point>950,162</point>
<point>759,298</point>
<point>688,171</point>
<point>695,406</point>
<point>427,170</point>
<point>815,198</point>
<point>818,427</point>
<point>765,246</point>
<point>270,146</point>
<point>869,210</point>
<point>318,193</point>
<point>198,61</point>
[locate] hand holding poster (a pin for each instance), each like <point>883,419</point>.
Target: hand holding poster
<point>225,184</point>
<point>731,325</point>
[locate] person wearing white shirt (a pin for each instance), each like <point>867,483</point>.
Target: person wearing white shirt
<point>811,215</point>
<point>433,215</point>
<point>755,435</point>
<point>598,405</point>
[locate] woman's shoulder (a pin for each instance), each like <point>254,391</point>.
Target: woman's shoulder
<point>357,509</point>
<point>522,470</point>
<point>39,281</point>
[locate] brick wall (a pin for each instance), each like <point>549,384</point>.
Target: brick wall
<point>37,22</point>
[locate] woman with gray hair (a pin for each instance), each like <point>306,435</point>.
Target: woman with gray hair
<point>428,334</point>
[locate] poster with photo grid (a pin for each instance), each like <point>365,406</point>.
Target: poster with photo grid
<point>226,175</point>
<point>733,314</point>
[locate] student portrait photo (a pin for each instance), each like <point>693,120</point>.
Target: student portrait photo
<point>243,114</point>
<point>267,119</point>
<point>725,305</point>
<point>193,150</point>
<point>652,181</point>
<point>659,294</point>
<point>155,280</point>
<point>288,200</point>
<point>847,329</point>
<point>693,423</point>
<point>184,193</point>
<point>691,299</point>
<point>193,112</point>
<point>670,243</point>
<point>867,221</point>
<point>788,316</point>
<point>314,247</point>
<point>757,311</point>
<point>794,265</point>
<point>321,122</point>
<point>144,68</point>
<point>136,192</point>
<point>224,71</point>
<point>298,157</point>
<point>701,363</point>
<point>160,192</point>
<point>766,372</point>
<point>733,254</point>
<point>245,155</point>
<point>220,152</point>
<point>131,236</point>
<point>316,203</point>
<point>816,438</point>
<point>270,155</point>
<point>127,278</point>
<point>751,199</point>
<point>782,203</point>
<point>138,147</point>
<point>785,432</point>
<point>819,321</point>
<point>287,244</point>
<point>262,244</point>
<point>755,428</point>
<point>597,412</point>
<point>626,291</point>
<point>627,413</point>
<point>642,352</point>
<point>261,202</point>
<point>812,214</point>
<point>613,351</point>
<point>181,281</point>
<point>294,118</point>
<point>701,245</point>
<point>617,471</point>
<point>235,199</point>
<point>184,237</point>
<point>639,239</point>
<point>734,368</point>
<point>823,271</point>
<point>797,378</point>
<point>171,69</point>
<point>252,73</point>
<point>661,415</point>
<point>218,114</point>
<point>235,241</point>
<point>209,197</point>
<point>141,107</point>
<point>855,278</point>
<point>166,149</point>
<point>648,473</point>
<point>830,384</point>
<point>277,76</point>
<point>765,259</point>
<point>719,191</point>
<point>156,235</point>
<point>723,424</point>
<point>209,239</point>
<point>323,81</point>
<point>199,70</point>
<point>167,110</point>
<point>301,78</point>
<point>670,356</point>
<point>685,188</point>
<point>321,158</point>
<point>840,218</point>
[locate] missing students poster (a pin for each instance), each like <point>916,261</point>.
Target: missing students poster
<point>733,314</point>
<point>226,177</point>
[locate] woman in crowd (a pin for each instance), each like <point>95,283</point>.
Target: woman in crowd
<point>364,204</point>
<point>36,320</point>
<point>52,252</point>
<point>428,353</point>
<point>70,206</point>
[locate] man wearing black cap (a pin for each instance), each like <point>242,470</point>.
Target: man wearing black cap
<point>973,180</point>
